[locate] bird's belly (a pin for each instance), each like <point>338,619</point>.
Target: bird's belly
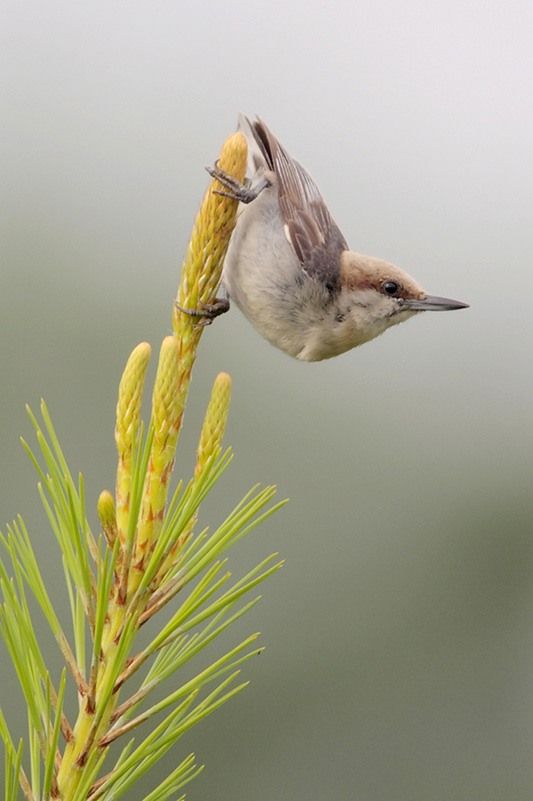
<point>264,278</point>
<point>266,281</point>
<point>298,318</point>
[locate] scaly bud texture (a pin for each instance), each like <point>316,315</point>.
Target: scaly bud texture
<point>107,515</point>
<point>126,429</point>
<point>209,447</point>
<point>215,421</point>
<point>166,422</point>
<point>200,277</point>
<point>202,267</point>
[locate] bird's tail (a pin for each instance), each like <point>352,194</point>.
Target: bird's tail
<point>259,157</point>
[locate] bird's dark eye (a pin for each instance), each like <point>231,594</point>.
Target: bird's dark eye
<point>390,288</point>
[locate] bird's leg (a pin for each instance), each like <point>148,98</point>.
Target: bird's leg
<point>207,311</point>
<point>244,193</point>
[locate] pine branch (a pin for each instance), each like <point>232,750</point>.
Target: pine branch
<point>147,557</point>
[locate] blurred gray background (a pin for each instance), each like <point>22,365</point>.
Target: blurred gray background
<point>400,636</point>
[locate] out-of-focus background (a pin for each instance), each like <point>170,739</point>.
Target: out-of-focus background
<point>400,635</point>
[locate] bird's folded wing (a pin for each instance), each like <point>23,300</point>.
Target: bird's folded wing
<point>310,228</point>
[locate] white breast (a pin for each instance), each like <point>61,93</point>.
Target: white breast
<point>264,278</point>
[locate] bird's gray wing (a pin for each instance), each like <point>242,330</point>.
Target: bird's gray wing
<point>310,228</point>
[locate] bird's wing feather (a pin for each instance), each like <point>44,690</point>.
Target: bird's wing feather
<point>310,228</point>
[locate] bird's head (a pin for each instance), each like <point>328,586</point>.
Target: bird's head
<point>378,294</point>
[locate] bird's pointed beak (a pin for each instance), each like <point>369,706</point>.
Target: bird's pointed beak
<point>433,303</point>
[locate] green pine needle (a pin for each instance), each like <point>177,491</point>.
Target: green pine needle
<point>213,603</point>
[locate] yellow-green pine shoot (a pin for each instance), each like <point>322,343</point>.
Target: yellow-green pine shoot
<point>202,267</point>
<point>214,224</point>
<point>107,516</point>
<point>200,277</point>
<point>126,430</point>
<point>166,421</point>
<point>209,447</point>
<point>215,420</point>
<point>133,523</point>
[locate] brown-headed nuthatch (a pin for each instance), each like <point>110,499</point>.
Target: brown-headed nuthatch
<point>289,269</point>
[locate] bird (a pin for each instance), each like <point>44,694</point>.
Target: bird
<point>290,271</point>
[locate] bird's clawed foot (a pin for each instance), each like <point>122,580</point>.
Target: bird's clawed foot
<point>244,193</point>
<point>207,311</point>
